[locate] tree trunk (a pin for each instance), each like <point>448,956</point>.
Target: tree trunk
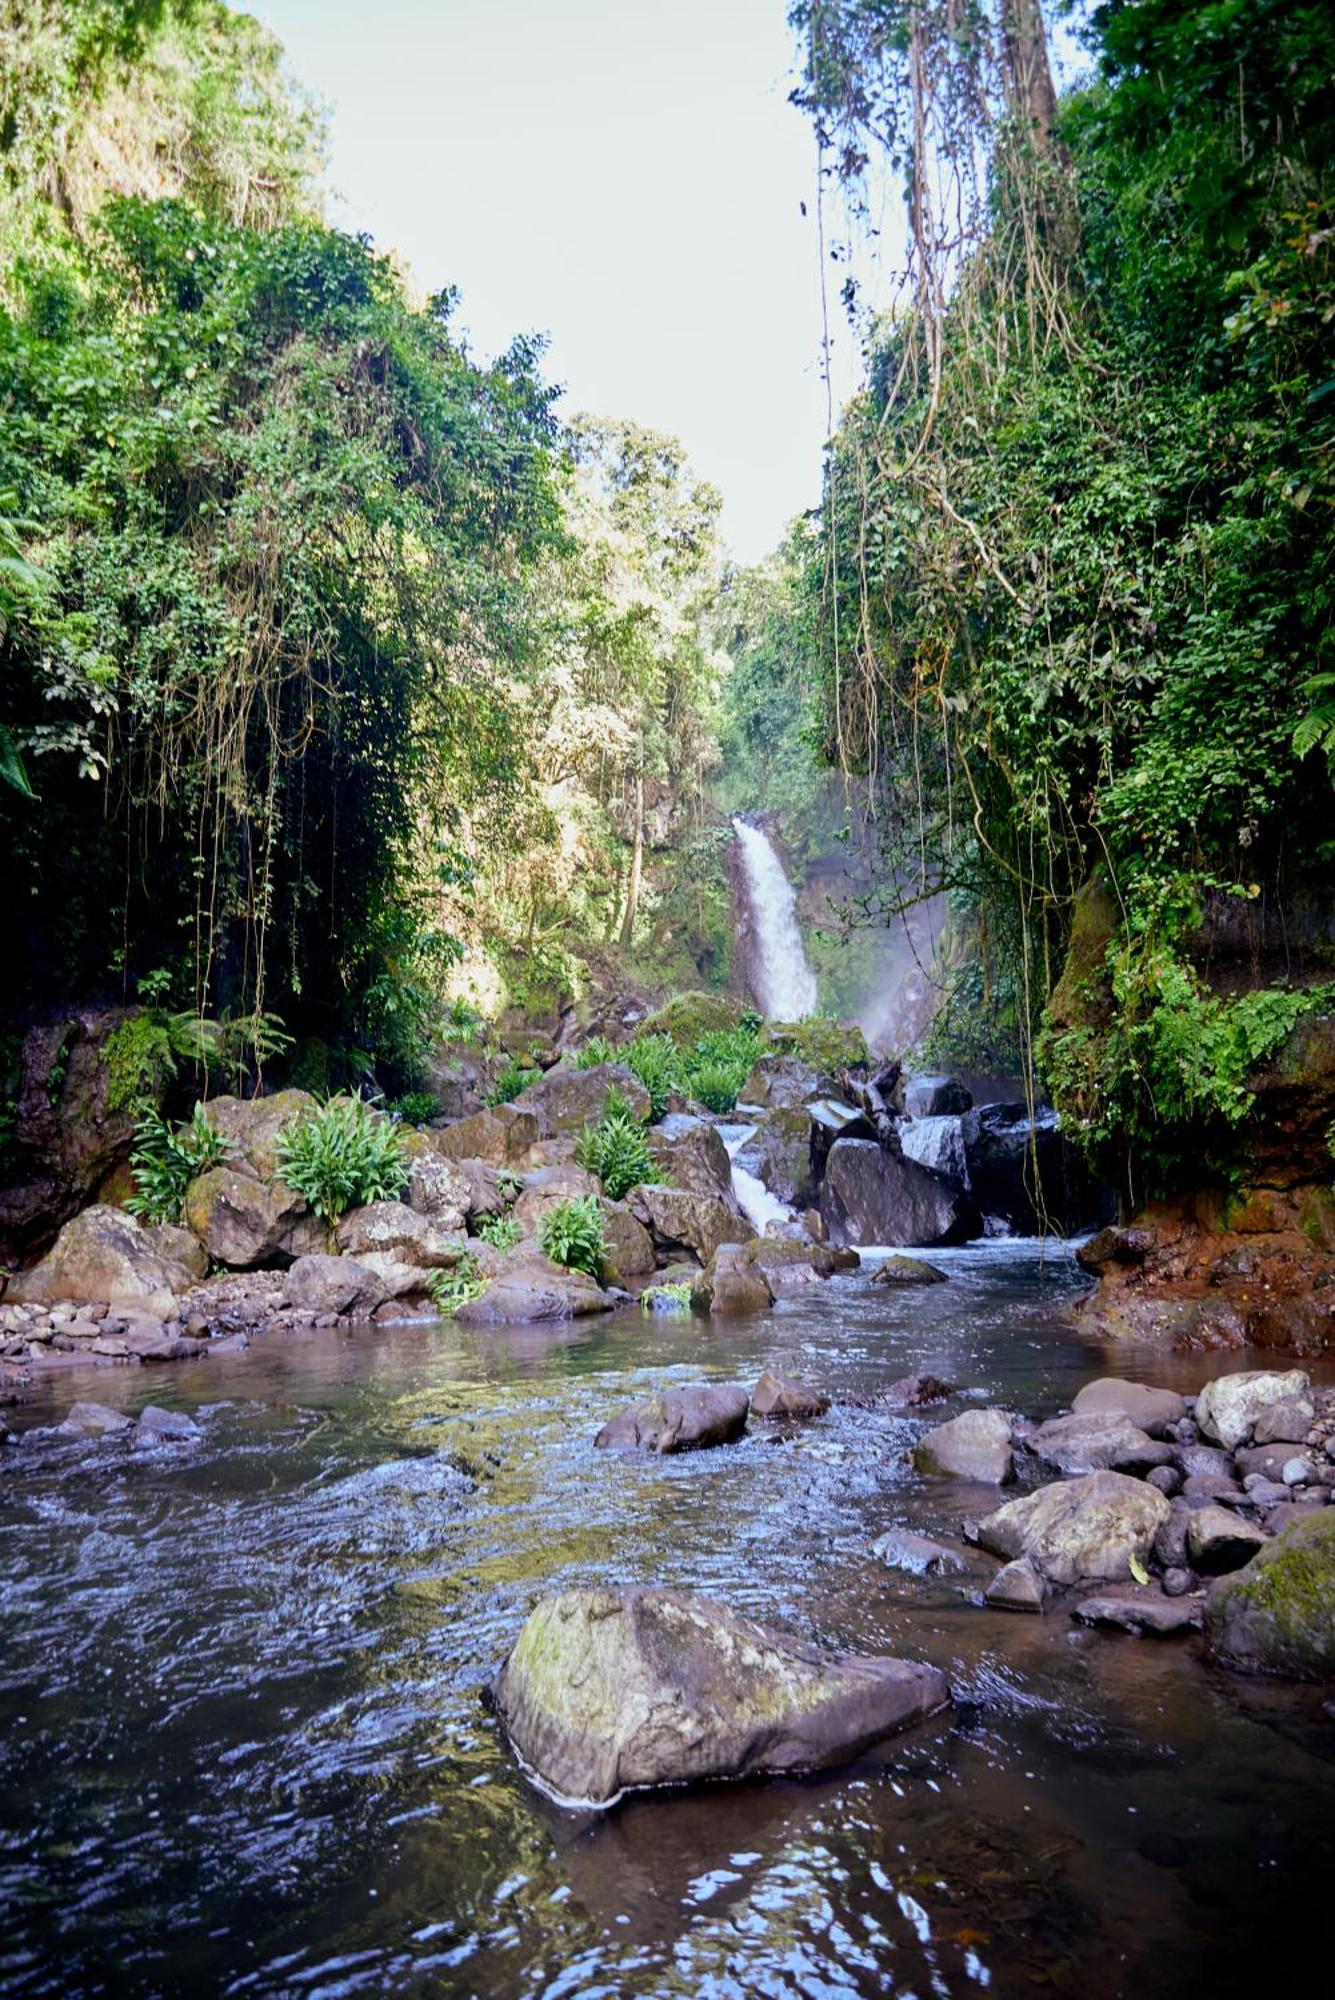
<point>636,865</point>
<point>1028,73</point>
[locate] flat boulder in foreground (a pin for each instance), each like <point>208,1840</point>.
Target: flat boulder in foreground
<point>609,1691</point>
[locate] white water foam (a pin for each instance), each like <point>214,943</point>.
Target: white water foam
<point>754,1199</point>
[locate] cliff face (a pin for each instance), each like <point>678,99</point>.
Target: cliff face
<point>1249,1265</point>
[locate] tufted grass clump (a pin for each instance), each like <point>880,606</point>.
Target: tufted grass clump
<point>456,1287</point>
<point>341,1156</point>
<point>513,1078</point>
<point>502,1232</point>
<point>593,1052</point>
<point>572,1235</point>
<point>658,1063</point>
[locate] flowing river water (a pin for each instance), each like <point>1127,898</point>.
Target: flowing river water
<point>245,1746</point>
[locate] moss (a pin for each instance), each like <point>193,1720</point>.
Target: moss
<point>1278,1613</point>
<point>827,1046</point>
<point>1082,997</point>
<point>690,1015</point>
<point>138,1056</point>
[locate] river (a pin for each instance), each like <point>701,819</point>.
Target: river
<point>245,1746</point>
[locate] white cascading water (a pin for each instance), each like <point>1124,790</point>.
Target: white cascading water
<point>754,1199</point>
<point>785,984</point>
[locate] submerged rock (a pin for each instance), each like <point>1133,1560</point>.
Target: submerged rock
<point>1143,1609</point>
<point>974,1446</point>
<point>611,1691</point>
<point>1228,1407</point>
<point>164,1426</point>
<point>93,1420</point>
<point>914,1392</point>
<point>777,1395</point>
<point>689,1419</point>
<point>1277,1616</point>
<point>1151,1410</point>
<point>1079,1530</point>
<point>900,1548</point>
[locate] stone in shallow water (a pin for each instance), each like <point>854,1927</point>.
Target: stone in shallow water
<point>900,1548</point>
<point>1228,1407</point>
<point>608,1691</point>
<point>172,1425</point>
<point>1017,1586</point>
<point>907,1271</point>
<point>1151,1410</point>
<point>974,1446</point>
<point>777,1395</point>
<point>93,1420</point>
<point>1096,1442</point>
<point>681,1419</point>
<point>1079,1530</point>
<point>1142,1609</point>
<point>1217,1541</point>
<point>1277,1616</point>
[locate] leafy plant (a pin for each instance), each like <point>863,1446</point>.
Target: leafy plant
<point>657,1062</point>
<point>501,1231</point>
<point>718,1065</point>
<point>342,1155</point>
<point>616,1149</point>
<point>165,1160</point>
<point>414,1107</point>
<point>458,1286</point>
<point>572,1235</point>
<point>596,1050</point>
<point>514,1078</point>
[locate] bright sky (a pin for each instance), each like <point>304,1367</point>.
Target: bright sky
<point>625,175</point>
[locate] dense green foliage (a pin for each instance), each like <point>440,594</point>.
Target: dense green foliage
<point>165,1161</point>
<point>616,1149</point>
<point>572,1235</point>
<point>341,1156</point>
<point>1078,569</point>
<point>458,1286</point>
<point>501,1231</point>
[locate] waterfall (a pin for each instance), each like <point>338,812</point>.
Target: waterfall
<point>784,982</point>
<point>757,1204</point>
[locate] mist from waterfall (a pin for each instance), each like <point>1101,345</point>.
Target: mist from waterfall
<point>784,983</point>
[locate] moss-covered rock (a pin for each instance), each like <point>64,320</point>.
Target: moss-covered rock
<point>828,1047</point>
<point>689,1015</point>
<point>1277,1616</point>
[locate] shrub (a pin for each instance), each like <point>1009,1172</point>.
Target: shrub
<point>342,1155</point>
<point>596,1050</point>
<point>657,1062</point>
<point>716,1086</point>
<point>616,1149</point>
<point>163,1162</point>
<point>719,1064</point>
<point>454,1288</point>
<point>501,1231</point>
<point>414,1107</point>
<point>572,1235</point>
<point>515,1076</point>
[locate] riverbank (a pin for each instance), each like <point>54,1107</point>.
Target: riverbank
<point>298,1780</point>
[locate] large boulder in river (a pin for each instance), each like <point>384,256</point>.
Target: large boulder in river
<point>704,1413</point>
<point>896,1271</point>
<point>243,1222</point>
<point>689,1153</point>
<point>566,1100</point>
<point>1277,1616</point>
<point>871,1195</point>
<point>731,1283</point>
<point>1024,1171</point>
<point>679,1219</point>
<point>779,1396</point>
<point>1228,1407</point>
<point>974,1446</point>
<point>105,1257</point>
<point>1079,1530</point>
<point>613,1691</point>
